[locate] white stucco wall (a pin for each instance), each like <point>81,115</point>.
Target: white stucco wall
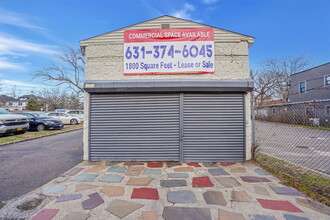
<point>106,62</point>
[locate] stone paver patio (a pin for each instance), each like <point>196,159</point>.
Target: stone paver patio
<point>150,191</point>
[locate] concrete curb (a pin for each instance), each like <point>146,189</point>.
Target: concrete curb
<point>47,135</point>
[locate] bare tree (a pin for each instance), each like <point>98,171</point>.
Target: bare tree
<point>282,69</point>
<point>69,71</point>
<point>263,86</point>
<point>272,80</point>
<point>14,92</point>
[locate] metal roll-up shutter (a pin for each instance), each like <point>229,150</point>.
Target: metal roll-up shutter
<point>138,127</point>
<point>213,127</point>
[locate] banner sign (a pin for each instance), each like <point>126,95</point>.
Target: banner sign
<point>169,51</point>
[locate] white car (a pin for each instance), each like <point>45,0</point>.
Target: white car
<point>66,118</point>
<point>76,113</point>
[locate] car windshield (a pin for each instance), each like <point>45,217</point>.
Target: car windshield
<point>42,115</point>
<point>2,111</point>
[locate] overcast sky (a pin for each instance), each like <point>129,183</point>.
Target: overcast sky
<point>33,31</point>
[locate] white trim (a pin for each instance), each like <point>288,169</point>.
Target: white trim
<point>305,87</point>
<point>325,80</point>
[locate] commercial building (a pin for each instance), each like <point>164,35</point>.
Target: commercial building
<point>168,89</point>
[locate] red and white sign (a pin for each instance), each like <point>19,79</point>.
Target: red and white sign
<point>169,51</point>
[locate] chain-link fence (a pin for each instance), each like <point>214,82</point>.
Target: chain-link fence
<point>293,141</point>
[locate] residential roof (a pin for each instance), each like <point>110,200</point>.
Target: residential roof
<point>5,98</point>
<point>311,68</point>
<point>30,97</point>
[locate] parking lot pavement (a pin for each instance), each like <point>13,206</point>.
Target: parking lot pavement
<point>137,190</point>
<point>28,165</point>
<point>306,147</point>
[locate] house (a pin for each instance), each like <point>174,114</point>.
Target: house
<point>12,104</point>
<point>168,89</point>
<point>309,100</point>
<point>310,85</point>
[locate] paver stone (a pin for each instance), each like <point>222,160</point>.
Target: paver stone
<point>177,175</point>
<point>134,171</point>
<point>94,200</point>
<point>240,196</point>
<point>74,171</point>
<point>81,187</point>
<point>314,205</point>
<point>261,217</point>
<point>76,216</point>
<point>173,183</point>
<point>148,215</point>
<point>85,177</point>
<point>294,217</point>
<point>261,190</point>
<point>45,214</point>
<point>228,182</point>
<point>132,163</point>
<point>53,189</point>
<point>203,181</point>
<point>194,164</point>
<point>113,190</point>
<point>285,191</point>
<point>183,169</point>
<point>117,169</point>
<point>173,164</point>
<point>226,164</point>
<point>139,181</point>
<point>214,198</point>
<point>218,172</point>
<point>145,193</point>
<point>238,170</point>
<point>210,164</point>
<point>111,163</point>
<point>184,213</point>
<point>122,208</point>
<point>227,215</point>
<point>254,179</point>
<point>152,171</point>
<point>94,169</point>
<point>181,196</point>
<point>155,164</point>
<point>61,179</point>
<point>278,205</point>
<point>111,178</point>
<point>64,198</point>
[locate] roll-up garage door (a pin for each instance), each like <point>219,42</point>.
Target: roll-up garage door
<point>138,127</point>
<point>213,127</point>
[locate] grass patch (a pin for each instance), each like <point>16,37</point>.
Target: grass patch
<point>35,134</point>
<point>295,125</point>
<point>313,184</point>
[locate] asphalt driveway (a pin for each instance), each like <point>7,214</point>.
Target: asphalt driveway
<point>306,147</point>
<point>28,165</point>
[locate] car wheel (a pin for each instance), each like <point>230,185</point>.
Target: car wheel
<point>74,121</point>
<point>41,127</point>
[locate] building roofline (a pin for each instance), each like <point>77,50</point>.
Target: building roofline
<point>161,17</point>
<point>311,68</point>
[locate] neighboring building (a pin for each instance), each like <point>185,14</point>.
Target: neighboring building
<point>12,104</point>
<point>310,85</point>
<point>309,100</point>
<point>168,89</point>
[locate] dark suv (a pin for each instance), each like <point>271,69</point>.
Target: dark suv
<point>42,122</point>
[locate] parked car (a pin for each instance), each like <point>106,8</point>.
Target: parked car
<point>65,118</point>
<point>61,110</point>
<point>11,123</point>
<point>42,122</point>
<point>76,113</point>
